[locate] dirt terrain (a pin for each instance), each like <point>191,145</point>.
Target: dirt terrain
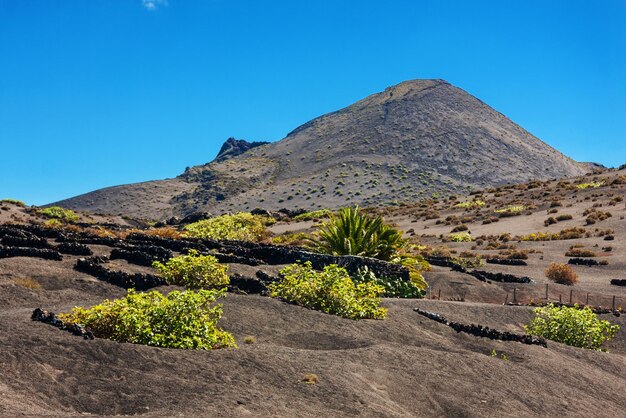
<point>403,366</point>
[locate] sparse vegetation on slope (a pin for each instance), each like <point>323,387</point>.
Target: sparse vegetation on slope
<point>14,202</point>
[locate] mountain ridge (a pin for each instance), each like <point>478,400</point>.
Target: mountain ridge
<point>414,140</point>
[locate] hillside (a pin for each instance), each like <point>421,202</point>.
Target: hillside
<point>403,366</point>
<point>413,140</point>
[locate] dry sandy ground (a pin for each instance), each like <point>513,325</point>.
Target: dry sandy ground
<point>405,365</point>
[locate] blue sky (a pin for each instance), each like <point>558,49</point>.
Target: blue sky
<point>95,93</point>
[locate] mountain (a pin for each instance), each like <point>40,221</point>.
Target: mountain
<point>414,140</point>
<point>234,147</point>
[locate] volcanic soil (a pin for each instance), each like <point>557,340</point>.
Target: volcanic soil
<point>403,366</point>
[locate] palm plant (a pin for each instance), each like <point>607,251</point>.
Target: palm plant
<point>351,232</point>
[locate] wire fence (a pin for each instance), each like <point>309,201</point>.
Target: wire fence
<point>525,296</point>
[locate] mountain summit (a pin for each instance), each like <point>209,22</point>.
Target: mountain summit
<point>414,140</point>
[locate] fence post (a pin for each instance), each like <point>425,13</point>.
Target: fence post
<point>514,295</point>
<point>587,299</point>
<point>613,302</point>
<point>570,295</point>
<point>439,297</point>
<point>506,299</point>
<point>546,291</point>
<point>560,300</point>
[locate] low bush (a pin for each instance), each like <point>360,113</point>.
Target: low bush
<point>561,274</point>
<point>194,271</point>
<point>460,237</point>
<point>472,204</point>
<point>240,226</point>
<point>331,291</point>
<point>591,185</point>
<point>162,232</point>
<point>459,228</point>
<point>511,210</point>
<point>580,252</point>
<point>568,233</point>
<point>316,214</point>
<point>393,287</point>
<point>179,320</point>
<point>550,221</point>
<point>565,217</point>
<point>57,212</point>
<point>571,326</point>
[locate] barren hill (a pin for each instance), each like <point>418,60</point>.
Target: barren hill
<point>413,140</point>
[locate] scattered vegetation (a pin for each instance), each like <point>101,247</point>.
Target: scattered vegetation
<point>14,202</point>
<point>249,340</point>
<point>179,320</point>
<point>240,226</point>
<point>561,274</point>
<point>503,356</point>
<point>569,233</point>
<point>579,252</point>
<point>571,326</point>
<point>331,291</point>
<point>194,271</point>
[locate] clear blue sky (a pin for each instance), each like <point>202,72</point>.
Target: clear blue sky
<point>95,93</point>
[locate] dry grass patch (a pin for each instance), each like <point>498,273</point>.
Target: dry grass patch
<point>31,284</point>
<point>561,274</point>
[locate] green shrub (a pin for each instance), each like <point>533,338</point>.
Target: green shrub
<point>472,204</point>
<point>591,185</point>
<point>571,326</point>
<point>511,210</point>
<point>13,201</point>
<point>460,237</point>
<point>316,214</point>
<point>194,271</point>
<point>57,212</point>
<point>240,226</point>
<point>178,320</point>
<point>331,291</point>
<point>393,287</point>
<point>352,232</point>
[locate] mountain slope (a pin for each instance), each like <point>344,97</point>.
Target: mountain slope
<point>413,140</point>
